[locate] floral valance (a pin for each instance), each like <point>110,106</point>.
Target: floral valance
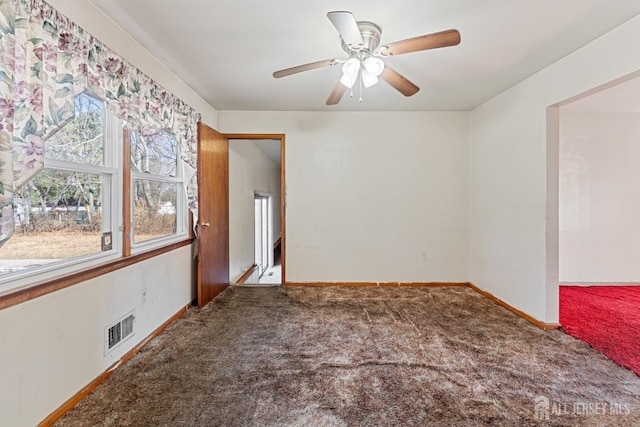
<point>45,61</point>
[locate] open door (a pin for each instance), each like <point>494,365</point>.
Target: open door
<point>213,212</point>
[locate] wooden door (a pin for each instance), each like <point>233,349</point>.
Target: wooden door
<point>213,208</point>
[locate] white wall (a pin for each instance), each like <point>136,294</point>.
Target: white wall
<point>371,197</point>
<point>508,252</point>
<point>53,345</point>
<point>599,197</point>
<point>250,170</point>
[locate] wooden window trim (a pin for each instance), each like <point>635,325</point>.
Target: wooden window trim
<point>126,193</point>
<point>26,293</point>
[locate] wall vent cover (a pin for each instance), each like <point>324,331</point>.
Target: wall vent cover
<point>127,326</point>
<point>115,335</point>
<point>118,331</point>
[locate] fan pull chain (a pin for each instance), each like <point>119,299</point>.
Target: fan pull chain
<point>360,78</point>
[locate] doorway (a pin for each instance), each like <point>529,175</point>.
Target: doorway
<point>257,209</point>
<point>587,233</point>
<point>592,230</point>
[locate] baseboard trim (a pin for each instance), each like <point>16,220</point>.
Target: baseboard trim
<point>246,274</point>
<point>376,284</point>
<point>536,322</point>
<point>533,320</point>
<point>73,400</point>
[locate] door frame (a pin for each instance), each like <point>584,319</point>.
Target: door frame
<point>283,188</point>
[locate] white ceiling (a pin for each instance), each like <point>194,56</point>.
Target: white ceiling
<point>227,50</point>
<point>270,147</point>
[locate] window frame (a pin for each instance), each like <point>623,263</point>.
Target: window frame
<point>182,211</point>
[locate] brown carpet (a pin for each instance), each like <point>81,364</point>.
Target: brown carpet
<point>361,357</point>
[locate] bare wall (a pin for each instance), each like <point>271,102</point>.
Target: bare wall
<point>54,345</point>
<point>599,197</point>
<point>371,197</point>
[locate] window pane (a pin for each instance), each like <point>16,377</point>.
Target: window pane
<point>80,140</point>
<point>155,154</point>
<point>154,209</point>
<point>58,216</point>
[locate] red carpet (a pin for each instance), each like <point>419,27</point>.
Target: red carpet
<point>605,317</point>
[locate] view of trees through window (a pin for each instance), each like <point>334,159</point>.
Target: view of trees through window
<point>81,139</point>
<point>154,209</point>
<point>154,161</point>
<point>59,213</point>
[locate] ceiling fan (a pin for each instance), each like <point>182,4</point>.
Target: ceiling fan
<point>361,41</point>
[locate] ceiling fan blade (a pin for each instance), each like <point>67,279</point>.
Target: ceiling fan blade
<point>336,94</point>
<point>305,67</point>
<point>428,41</point>
<point>347,26</point>
<point>399,82</point>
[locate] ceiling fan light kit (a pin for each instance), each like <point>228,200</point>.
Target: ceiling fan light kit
<point>368,79</point>
<point>368,71</point>
<point>350,70</point>
<point>360,40</point>
<point>374,65</point>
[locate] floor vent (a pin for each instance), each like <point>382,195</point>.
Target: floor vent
<point>118,332</point>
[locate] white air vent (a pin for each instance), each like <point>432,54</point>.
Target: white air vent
<point>117,332</point>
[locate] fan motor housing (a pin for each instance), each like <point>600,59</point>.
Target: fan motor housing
<point>370,36</point>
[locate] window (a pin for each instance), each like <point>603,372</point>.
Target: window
<point>157,188</point>
<point>69,215</point>
<point>69,209</point>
